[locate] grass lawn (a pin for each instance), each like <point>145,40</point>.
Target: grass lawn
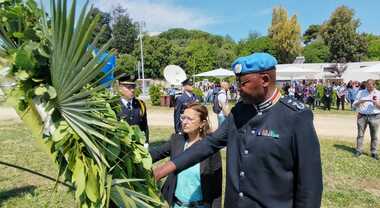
<point>21,188</point>
<point>348,181</point>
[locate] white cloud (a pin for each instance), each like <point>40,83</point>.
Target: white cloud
<point>159,15</point>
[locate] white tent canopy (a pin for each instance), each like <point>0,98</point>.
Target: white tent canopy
<point>216,73</point>
<point>288,72</point>
<point>359,76</point>
<point>373,69</point>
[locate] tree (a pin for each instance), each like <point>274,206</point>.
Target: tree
<point>340,34</point>
<point>124,31</point>
<point>225,54</point>
<point>102,24</point>
<point>286,35</point>
<point>316,52</point>
<point>184,43</point>
<point>256,44</point>
<point>311,34</point>
<point>373,47</point>
<point>126,63</point>
<point>156,55</point>
<point>374,50</point>
<point>178,55</point>
<point>201,57</point>
<point>175,34</point>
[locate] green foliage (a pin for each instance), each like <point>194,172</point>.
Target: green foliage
<point>201,56</point>
<point>256,44</point>
<point>373,47</point>
<point>23,45</point>
<point>156,55</point>
<point>286,35</point>
<point>17,24</point>
<point>340,34</point>
<point>103,28</point>
<point>333,97</point>
<point>311,34</point>
<point>320,91</point>
<point>176,34</point>
<point>124,31</point>
<point>216,51</point>
<point>316,52</point>
<point>126,63</point>
<point>138,91</point>
<point>198,92</point>
<point>155,93</point>
<point>225,55</point>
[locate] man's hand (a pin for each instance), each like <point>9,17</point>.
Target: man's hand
<point>164,170</point>
<point>376,103</point>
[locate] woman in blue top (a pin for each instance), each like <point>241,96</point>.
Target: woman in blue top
<point>199,186</point>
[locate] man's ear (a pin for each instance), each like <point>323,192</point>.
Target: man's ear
<point>265,80</point>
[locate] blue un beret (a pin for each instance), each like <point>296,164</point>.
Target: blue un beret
<point>256,62</point>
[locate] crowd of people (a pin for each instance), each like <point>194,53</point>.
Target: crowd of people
<point>321,94</point>
<point>315,93</point>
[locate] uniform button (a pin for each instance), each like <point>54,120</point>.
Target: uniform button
<point>246,152</point>
<point>242,174</point>
<point>241,194</point>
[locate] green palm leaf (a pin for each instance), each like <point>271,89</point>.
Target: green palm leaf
<point>74,73</point>
<point>72,68</point>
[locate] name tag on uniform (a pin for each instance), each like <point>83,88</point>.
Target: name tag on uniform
<point>266,132</point>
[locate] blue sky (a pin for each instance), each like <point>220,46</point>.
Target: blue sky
<point>238,17</point>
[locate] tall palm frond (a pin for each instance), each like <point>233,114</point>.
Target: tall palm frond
<point>73,67</point>
<point>75,75</point>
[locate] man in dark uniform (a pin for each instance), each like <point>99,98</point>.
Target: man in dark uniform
<point>273,155</point>
<point>327,97</point>
<point>186,98</point>
<point>133,110</point>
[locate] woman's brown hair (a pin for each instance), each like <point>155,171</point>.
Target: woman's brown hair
<point>203,115</point>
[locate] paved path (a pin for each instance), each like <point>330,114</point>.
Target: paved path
<point>333,125</point>
<point>8,114</point>
<point>337,126</point>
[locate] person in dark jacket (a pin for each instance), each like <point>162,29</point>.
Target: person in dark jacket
<point>199,186</point>
<point>273,154</point>
<point>327,97</point>
<point>182,101</point>
<point>133,110</point>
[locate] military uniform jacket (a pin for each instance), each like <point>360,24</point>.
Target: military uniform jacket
<point>136,115</point>
<point>180,105</point>
<point>210,170</point>
<point>273,156</point>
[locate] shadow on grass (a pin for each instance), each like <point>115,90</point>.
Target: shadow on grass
<point>15,192</point>
<point>36,173</point>
<point>345,148</point>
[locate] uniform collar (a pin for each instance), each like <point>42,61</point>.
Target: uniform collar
<point>189,94</point>
<point>125,101</point>
<point>269,102</point>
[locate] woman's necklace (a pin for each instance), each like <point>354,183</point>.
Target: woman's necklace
<point>188,144</point>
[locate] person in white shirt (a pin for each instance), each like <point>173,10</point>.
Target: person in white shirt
<point>223,102</point>
<point>368,106</point>
<point>341,96</point>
